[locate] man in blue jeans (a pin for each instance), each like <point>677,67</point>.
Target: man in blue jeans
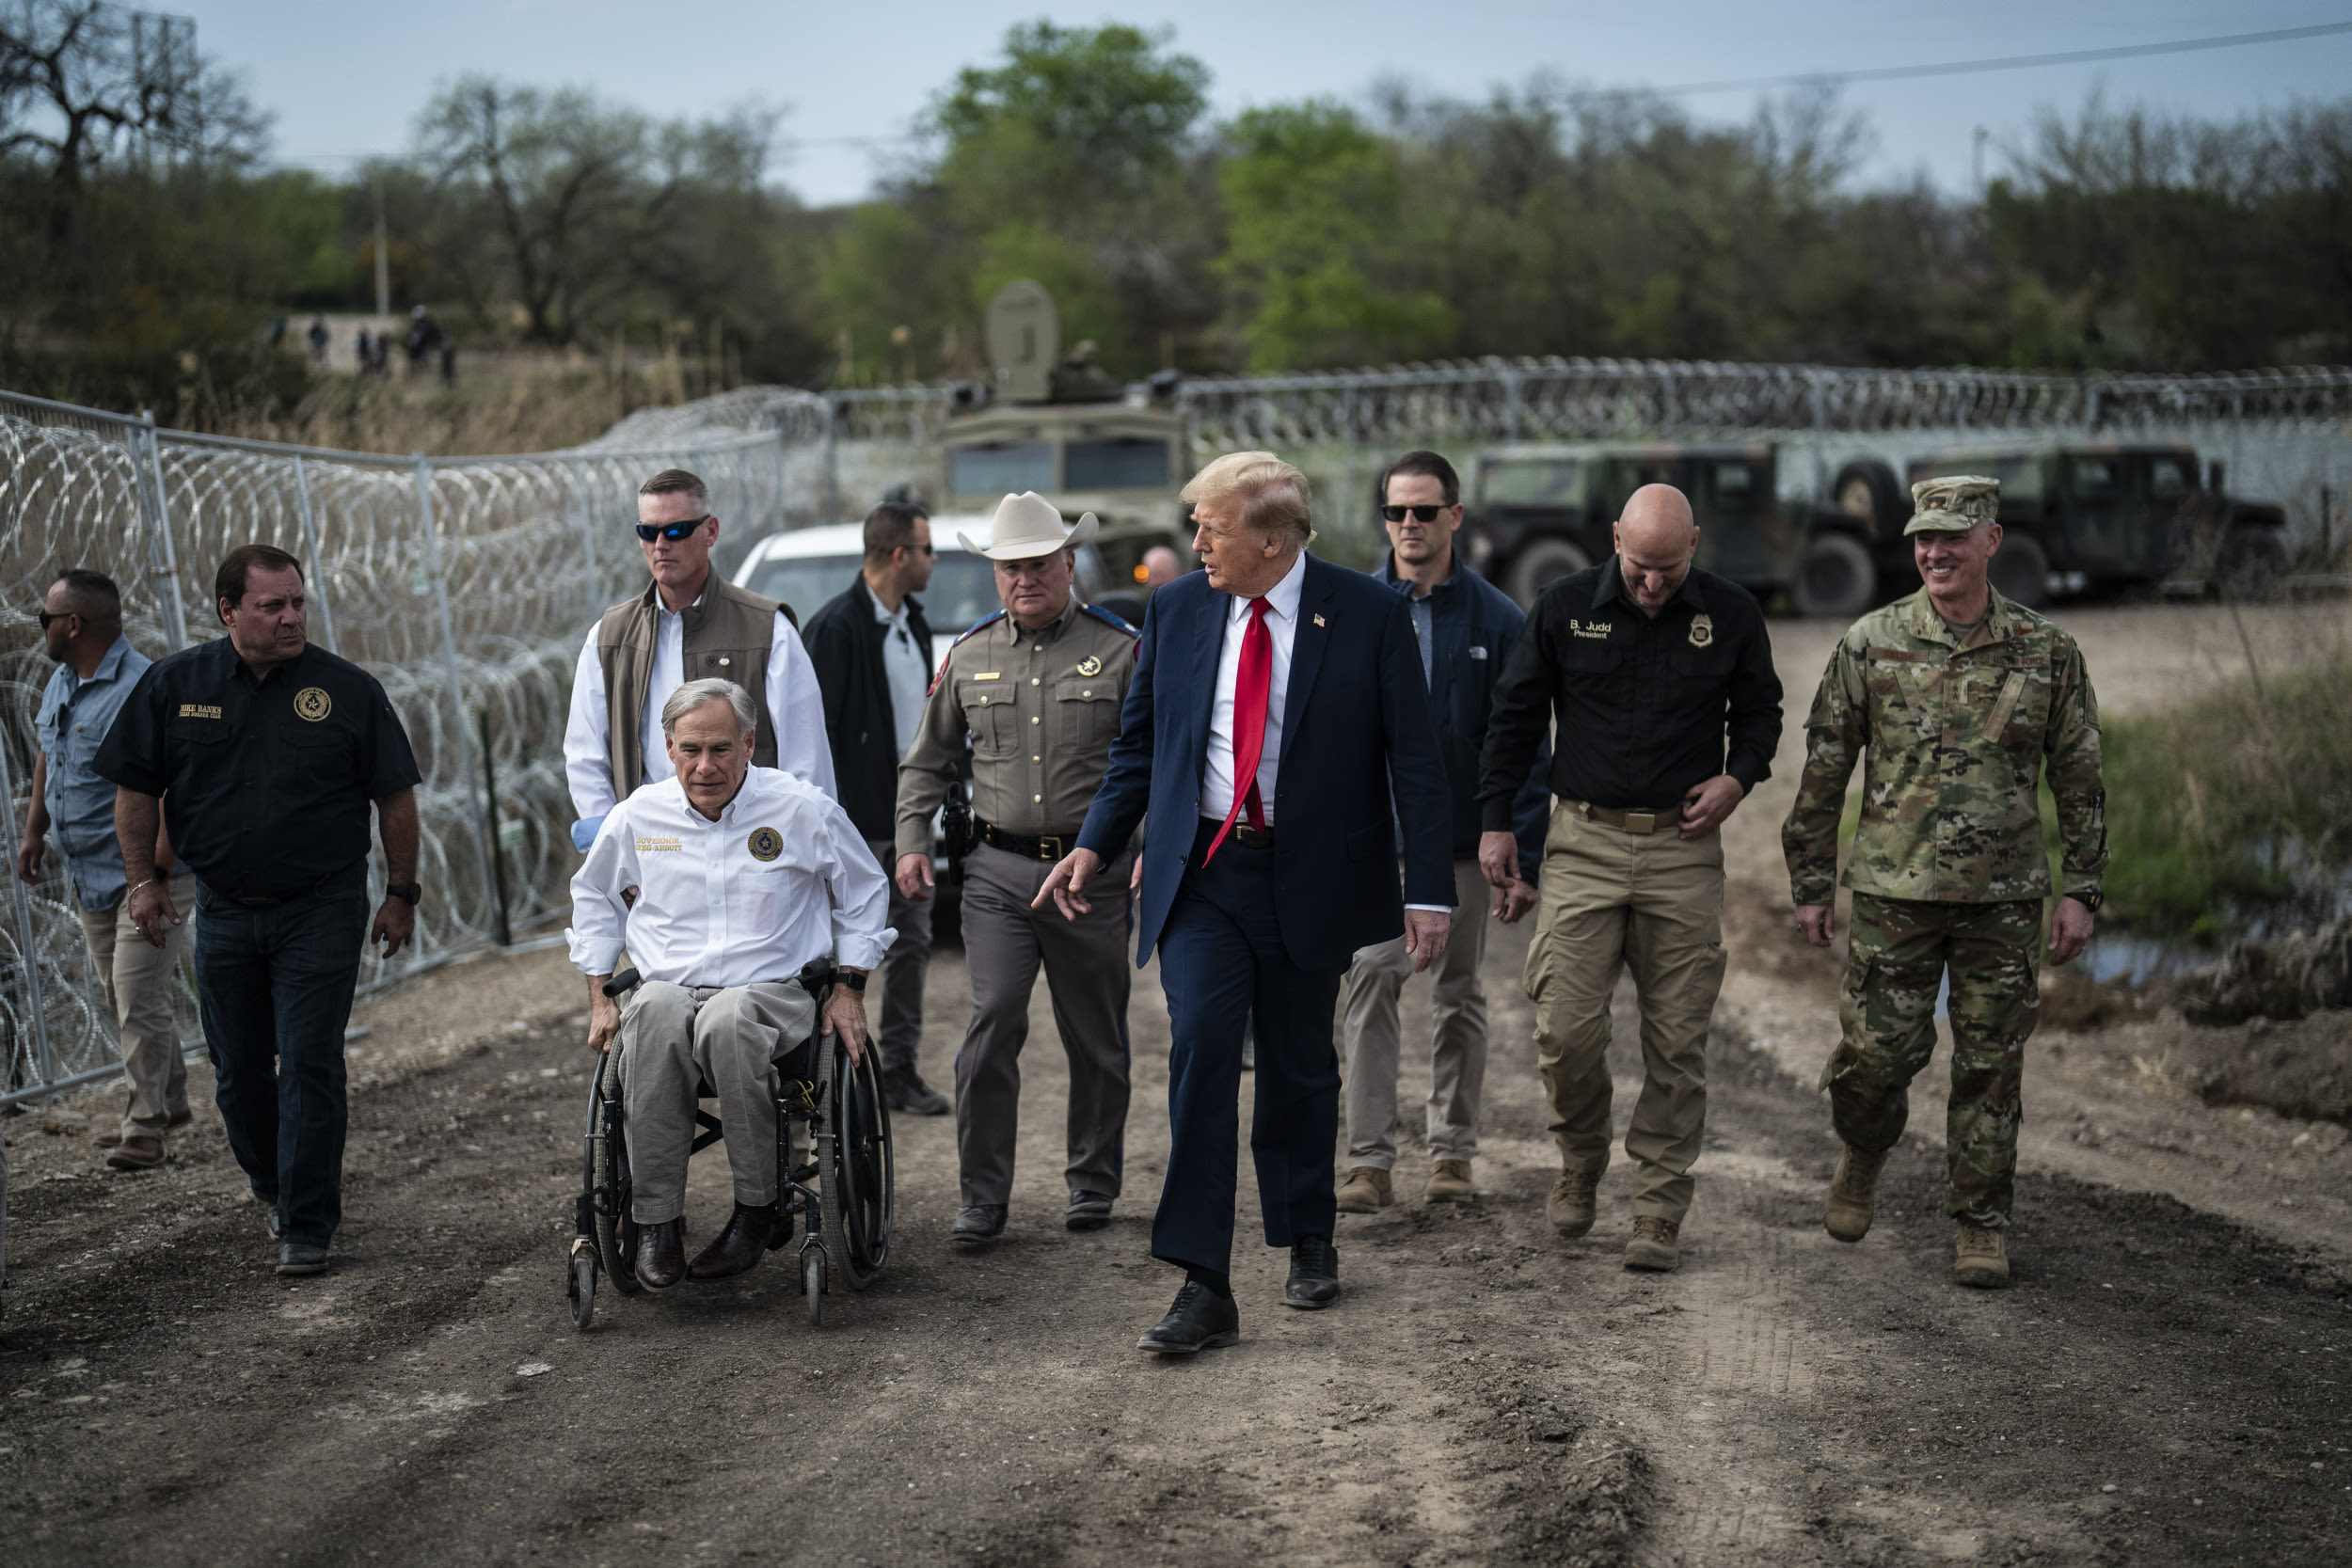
<point>267,752</point>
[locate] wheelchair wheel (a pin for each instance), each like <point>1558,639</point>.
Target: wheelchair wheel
<point>582,1291</point>
<point>608,1180</point>
<point>860,1203</point>
<point>813,1282</point>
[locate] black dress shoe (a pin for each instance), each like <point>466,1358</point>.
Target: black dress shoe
<point>1200,1320</point>
<point>906,1091</point>
<point>739,1247</point>
<point>662,1254</point>
<point>1314,1280</point>
<point>1086,1211</point>
<point>980,1222</point>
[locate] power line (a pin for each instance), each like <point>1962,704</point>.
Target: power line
<point>2000,62</point>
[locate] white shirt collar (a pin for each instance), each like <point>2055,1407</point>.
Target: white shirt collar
<point>1282,598</point>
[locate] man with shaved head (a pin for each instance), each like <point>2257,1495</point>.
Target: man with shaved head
<point>1659,677</point>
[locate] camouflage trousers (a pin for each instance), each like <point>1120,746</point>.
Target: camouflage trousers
<point>1901,949</point>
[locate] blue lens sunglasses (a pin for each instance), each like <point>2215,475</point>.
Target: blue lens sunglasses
<point>672,531</point>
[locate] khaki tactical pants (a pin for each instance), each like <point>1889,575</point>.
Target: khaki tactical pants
<point>1654,903</point>
<point>1901,948</point>
<point>671,1037</point>
<point>137,976</point>
<point>1457,1044</point>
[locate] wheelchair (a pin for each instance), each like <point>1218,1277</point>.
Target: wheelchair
<point>834,1168</point>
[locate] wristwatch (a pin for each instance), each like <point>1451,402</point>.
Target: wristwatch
<point>854,978</point>
<point>2090,899</point>
<point>410,893</point>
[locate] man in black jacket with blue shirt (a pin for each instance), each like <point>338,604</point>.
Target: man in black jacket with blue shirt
<point>1464,628</point>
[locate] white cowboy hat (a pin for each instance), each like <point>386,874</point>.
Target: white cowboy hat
<point>1027,526</point>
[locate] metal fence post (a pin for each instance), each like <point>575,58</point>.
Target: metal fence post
<point>464,731</point>
<point>21,913</point>
<point>165,546</point>
<point>318,566</point>
<point>832,460</point>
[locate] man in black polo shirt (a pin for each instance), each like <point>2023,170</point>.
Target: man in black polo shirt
<point>1661,678</point>
<point>269,752</point>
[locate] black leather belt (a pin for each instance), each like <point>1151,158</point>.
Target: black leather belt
<point>1051,846</point>
<point>325,884</point>
<point>1243,834</point>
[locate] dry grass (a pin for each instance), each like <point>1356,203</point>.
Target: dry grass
<point>500,407</point>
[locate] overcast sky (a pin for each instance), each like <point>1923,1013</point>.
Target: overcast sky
<point>345,80</point>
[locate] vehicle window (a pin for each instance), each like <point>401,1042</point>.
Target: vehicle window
<point>2166,480</point>
<point>1123,462</point>
<point>1733,487</point>
<point>962,590</point>
<point>1005,468</point>
<point>2094,479</point>
<point>805,584</point>
<point>1522,482</point>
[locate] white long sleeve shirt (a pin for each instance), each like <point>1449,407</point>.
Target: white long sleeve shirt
<point>792,706</point>
<point>1282,624</point>
<point>782,877</point>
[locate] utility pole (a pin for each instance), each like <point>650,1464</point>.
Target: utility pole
<point>1976,163</point>
<point>383,264</point>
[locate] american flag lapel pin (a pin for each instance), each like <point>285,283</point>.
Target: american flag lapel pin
<point>1318,620</point>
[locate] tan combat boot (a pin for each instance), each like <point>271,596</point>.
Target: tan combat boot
<point>1365,1191</point>
<point>1653,1244</point>
<point>1571,1206</point>
<point>1450,1183</point>
<point>1853,1194</point>
<point>1980,1257</point>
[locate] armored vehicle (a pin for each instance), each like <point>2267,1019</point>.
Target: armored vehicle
<point>1058,426</point>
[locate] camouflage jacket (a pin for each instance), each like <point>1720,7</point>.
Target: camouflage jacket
<point>1951,741</point>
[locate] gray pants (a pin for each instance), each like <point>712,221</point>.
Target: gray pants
<point>899,1025</point>
<point>671,1037</point>
<point>1088,967</point>
<point>137,976</point>
<point>1457,1045</point>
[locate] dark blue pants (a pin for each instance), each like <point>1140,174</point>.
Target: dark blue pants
<point>1221,960</point>
<point>275,985</point>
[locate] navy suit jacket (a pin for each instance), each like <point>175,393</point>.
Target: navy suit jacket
<point>1357,732</point>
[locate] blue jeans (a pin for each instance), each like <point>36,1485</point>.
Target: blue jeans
<point>275,985</point>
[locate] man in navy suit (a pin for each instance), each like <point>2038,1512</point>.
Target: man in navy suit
<point>1277,728</point>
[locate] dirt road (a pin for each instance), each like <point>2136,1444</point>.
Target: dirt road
<point>2167,1382</point>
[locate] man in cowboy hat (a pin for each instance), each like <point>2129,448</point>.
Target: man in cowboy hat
<point>1031,698</point>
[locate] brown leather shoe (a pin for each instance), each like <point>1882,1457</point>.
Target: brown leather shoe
<point>662,1254</point>
<point>739,1248</point>
<point>136,1153</point>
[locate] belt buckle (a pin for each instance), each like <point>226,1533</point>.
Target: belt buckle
<point>1640,821</point>
<point>1251,838</point>
<point>1050,847</point>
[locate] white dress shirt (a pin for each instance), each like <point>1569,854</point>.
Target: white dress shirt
<point>1282,624</point>
<point>908,670</point>
<point>782,877</point>
<point>795,709</point>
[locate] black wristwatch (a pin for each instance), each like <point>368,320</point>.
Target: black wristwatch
<point>2090,899</point>
<point>854,980</point>
<point>410,893</point>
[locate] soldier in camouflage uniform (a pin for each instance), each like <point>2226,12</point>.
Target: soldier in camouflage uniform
<point>1955,701</point>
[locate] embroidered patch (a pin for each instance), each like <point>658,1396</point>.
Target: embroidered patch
<point>199,711</point>
<point>766,844</point>
<point>1590,628</point>
<point>1089,666</point>
<point>1702,631</point>
<point>659,844</point>
<point>312,703</point>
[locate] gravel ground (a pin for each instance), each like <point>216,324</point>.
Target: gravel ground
<point>2165,1385</point>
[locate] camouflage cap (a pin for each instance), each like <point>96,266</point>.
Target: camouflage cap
<point>1954,504</point>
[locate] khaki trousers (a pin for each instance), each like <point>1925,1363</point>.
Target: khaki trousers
<point>1652,902</point>
<point>672,1037</point>
<point>1458,1042</point>
<point>137,977</point>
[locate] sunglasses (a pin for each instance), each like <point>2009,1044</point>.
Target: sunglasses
<point>49,615</point>
<point>1420,514</point>
<point>672,531</point>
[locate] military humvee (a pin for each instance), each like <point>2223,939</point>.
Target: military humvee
<point>1059,426</point>
<point>1537,512</point>
<point>2079,516</point>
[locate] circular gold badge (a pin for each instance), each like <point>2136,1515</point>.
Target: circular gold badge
<point>766,844</point>
<point>1702,631</point>
<point>1089,666</point>
<point>312,703</point>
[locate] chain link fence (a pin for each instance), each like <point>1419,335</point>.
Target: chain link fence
<point>464,585</point>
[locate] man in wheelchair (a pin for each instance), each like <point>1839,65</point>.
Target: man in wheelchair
<point>722,883</point>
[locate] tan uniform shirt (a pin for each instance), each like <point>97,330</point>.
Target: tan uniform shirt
<point>1035,712</point>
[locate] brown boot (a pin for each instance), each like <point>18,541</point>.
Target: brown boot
<point>1853,1194</point>
<point>662,1254</point>
<point>140,1152</point>
<point>1571,1206</point>
<point>1366,1191</point>
<point>1450,1183</point>
<point>1653,1244</point>
<point>1980,1257</point>
<point>739,1248</point>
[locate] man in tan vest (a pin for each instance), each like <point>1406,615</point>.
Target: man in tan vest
<point>687,624</point>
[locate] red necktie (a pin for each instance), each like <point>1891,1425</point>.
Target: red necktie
<point>1253,679</point>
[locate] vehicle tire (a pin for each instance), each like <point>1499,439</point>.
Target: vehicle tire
<point>2021,570</point>
<point>1869,492</point>
<point>2253,565</point>
<point>1539,562</point>
<point>1836,577</point>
